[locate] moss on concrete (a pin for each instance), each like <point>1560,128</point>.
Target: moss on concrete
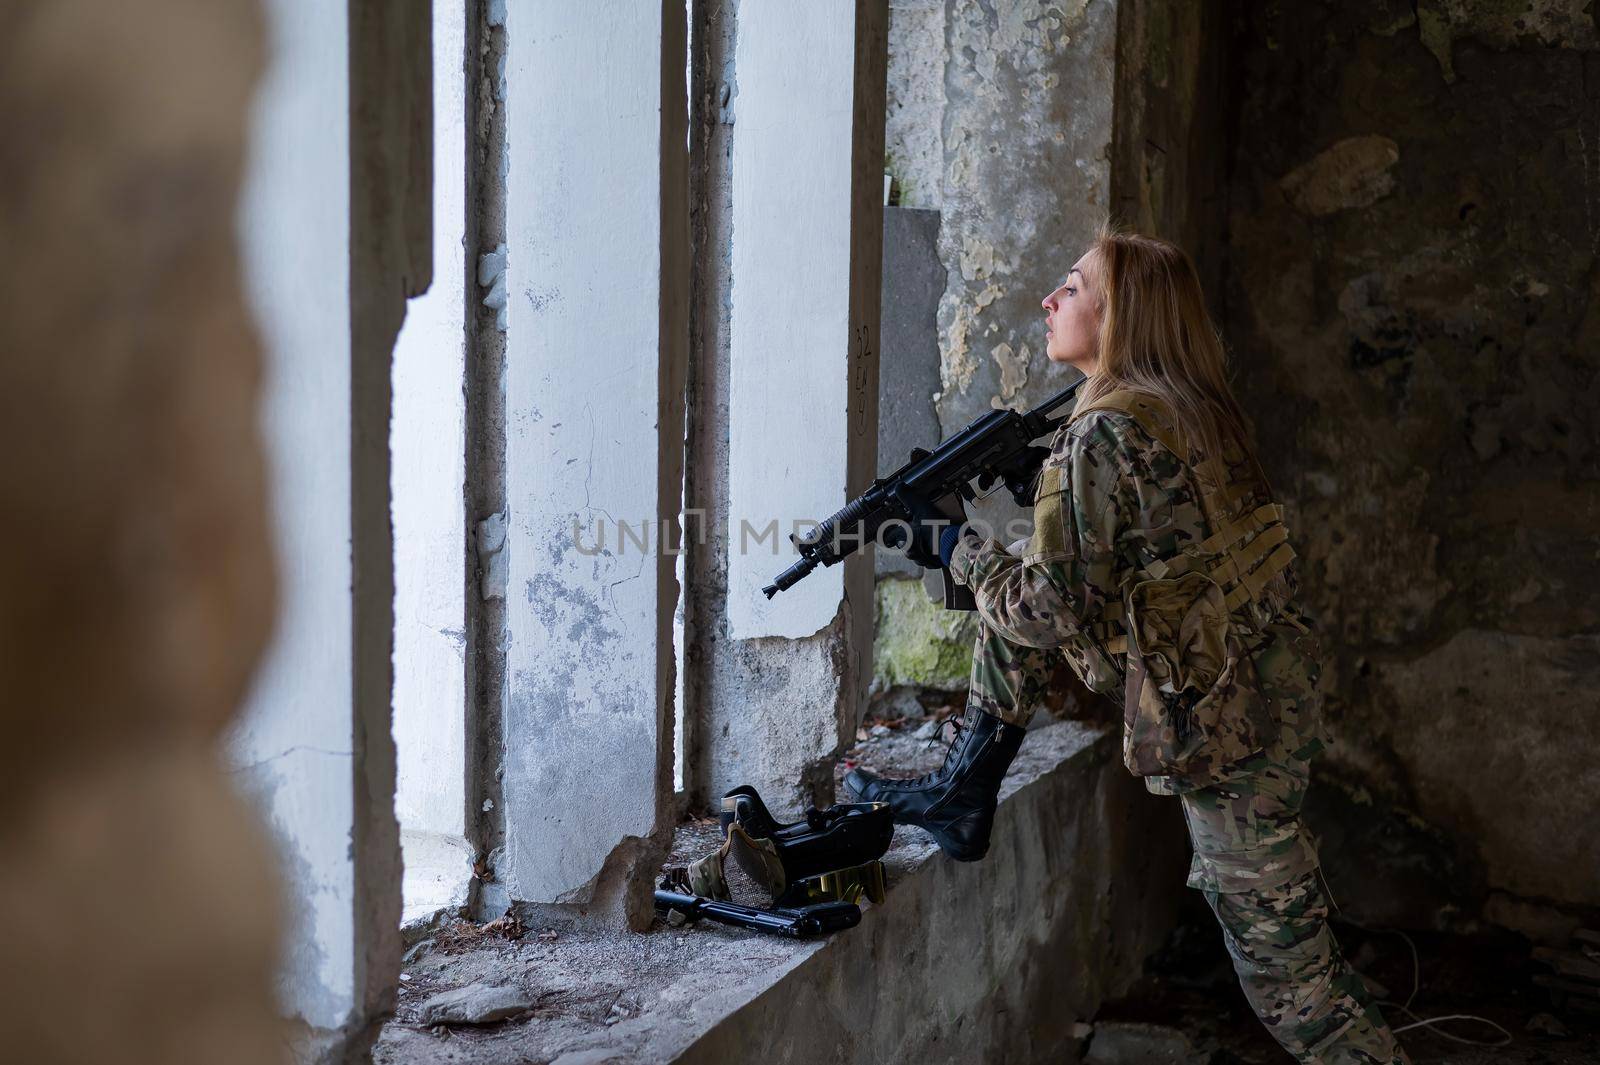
<point>918,642</point>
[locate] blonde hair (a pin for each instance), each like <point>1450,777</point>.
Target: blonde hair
<point>1157,338</point>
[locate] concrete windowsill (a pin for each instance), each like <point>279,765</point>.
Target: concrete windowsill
<point>950,944</point>
<point>437,869</point>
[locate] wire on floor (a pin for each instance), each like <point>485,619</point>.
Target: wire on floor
<point>1416,986</point>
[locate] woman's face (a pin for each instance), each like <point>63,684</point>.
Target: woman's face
<point>1072,319</point>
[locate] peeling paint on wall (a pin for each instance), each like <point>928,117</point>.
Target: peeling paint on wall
<point>1503,24</point>
<point>492,276</point>
<point>1355,172</point>
<point>493,562</point>
<point>1013,369</point>
<point>1028,129</point>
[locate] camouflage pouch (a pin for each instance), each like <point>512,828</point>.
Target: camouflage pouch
<point>1184,709</point>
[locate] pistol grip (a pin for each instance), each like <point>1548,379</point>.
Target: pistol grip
<point>957,596</point>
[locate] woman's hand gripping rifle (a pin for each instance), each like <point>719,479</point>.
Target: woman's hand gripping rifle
<point>911,507</point>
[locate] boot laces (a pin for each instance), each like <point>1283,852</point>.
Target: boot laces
<point>957,727</point>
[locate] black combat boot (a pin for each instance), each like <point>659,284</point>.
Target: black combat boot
<point>955,805</point>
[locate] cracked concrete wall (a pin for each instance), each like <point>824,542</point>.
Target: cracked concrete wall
<point>391,261</point>
<point>137,574</point>
<point>771,697</point>
<point>908,364</point>
<point>596,337</point>
<point>1415,219</point>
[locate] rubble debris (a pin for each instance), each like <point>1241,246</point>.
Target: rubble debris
<point>1569,963</point>
<point>1546,1024</point>
<point>597,1056</point>
<point>1128,1043</point>
<point>1576,979</point>
<point>475,1004</point>
<point>460,935</point>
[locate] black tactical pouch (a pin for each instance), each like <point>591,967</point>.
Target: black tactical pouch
<point>832,854</point>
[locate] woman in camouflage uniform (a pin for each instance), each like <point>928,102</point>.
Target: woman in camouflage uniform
<point>1159,568</point>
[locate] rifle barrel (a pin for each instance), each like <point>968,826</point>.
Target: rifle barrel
<point>789,577</point>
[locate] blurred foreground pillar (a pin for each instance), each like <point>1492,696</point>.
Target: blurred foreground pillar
<point>135,574</point>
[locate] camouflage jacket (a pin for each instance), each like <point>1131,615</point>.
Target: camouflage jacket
<point>1115,507</point>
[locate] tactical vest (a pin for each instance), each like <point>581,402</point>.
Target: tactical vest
<point>1188,623</point>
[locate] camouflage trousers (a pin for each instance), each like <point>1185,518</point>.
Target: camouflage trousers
<point>1008,680</point>
<point>1257,868</point>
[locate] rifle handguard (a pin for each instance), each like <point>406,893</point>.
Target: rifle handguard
<point>996,447</point>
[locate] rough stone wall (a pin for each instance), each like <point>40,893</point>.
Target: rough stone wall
<point>1415,219</point>
<point>1027,134</point>
<point>1013,101</point>
<point>136,582</point>
<point>1020,93</point>
<point>1050,117</point>
<point>486,632</point>
<point>1171,117</point>
<point>914,127</point>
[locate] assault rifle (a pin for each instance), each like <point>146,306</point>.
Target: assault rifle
<point>799,922</point>
<point>996,448</point>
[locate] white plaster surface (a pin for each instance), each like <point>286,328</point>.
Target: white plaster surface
<point>433,880</point>
<point>790,323</point>
<point>583,347</point>
<point>292,751</point>
<point>427,443</point>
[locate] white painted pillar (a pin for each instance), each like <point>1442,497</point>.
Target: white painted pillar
<point>295,744</point>
<point>428,445</point>
<point>334,228</point>
<point>597,331</point>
